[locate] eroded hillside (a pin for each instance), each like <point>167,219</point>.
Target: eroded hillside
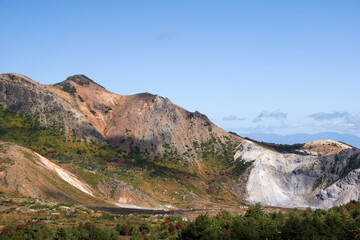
<point>144,150</point>
<point>323,179</point>
<point>81,107</point>
<point>32,175</point>
<point>147,121</point>
<point>156,147</point>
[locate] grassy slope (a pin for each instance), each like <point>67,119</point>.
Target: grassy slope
<point>167,178</point>
<point>23,173</point>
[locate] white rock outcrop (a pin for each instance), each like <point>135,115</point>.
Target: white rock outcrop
<point>294,180</point>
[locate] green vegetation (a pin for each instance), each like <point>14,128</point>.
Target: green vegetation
<point>282,148</point>
<point>352,164</point>
<point>82,83</point>
<point>93,112</point>
<point>107,109</point>
<point>241,166</point>
<point>50,141</point>
<point>64,221</point>
<point>94,162</point>
<point>335,223</point>
<point>318,182</point>
<point>69,89</point>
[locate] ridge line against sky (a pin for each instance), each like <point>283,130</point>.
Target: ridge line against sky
<point>255,66</point>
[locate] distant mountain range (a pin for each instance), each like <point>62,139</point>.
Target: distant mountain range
<point>303,138</point>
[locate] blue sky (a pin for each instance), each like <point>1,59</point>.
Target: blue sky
<point>251,66</point>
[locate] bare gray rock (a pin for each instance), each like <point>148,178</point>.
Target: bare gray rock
<point>292,180</point>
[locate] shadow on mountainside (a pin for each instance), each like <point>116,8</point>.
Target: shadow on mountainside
<point>142,153</point>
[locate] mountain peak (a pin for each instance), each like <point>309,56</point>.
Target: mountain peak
<point>325,147</point>
<point>18,76</point>
<point>82,80</point>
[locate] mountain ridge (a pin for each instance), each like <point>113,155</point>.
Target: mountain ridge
<point>142,148</point>
<point>303,137</point>
<point>134,137</point>
<point>105,113</point>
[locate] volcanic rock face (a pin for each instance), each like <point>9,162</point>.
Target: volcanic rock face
<point>293,180</point>
<point>323,174</point>
<point>147,121</point>
<point>340,179</point>
<point>85,108</point>
<point>143,120</point>
<point>153,122</point>
<point>23,95</point>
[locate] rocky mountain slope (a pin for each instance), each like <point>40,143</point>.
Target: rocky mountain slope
<point>327,177</point>
<point>23,95</point>
<point>80,106</point>
<point>144,150</point>
<point>32,175</point>
<point>142,140</point>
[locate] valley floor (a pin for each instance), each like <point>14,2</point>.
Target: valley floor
<point>29,218</point>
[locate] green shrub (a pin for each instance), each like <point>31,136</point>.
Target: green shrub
<point>69,89</point>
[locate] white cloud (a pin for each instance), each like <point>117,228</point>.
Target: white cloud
<point>353,120</point>
<point>328,116</point>
<point>233,118</point>
<point>275,115</point>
